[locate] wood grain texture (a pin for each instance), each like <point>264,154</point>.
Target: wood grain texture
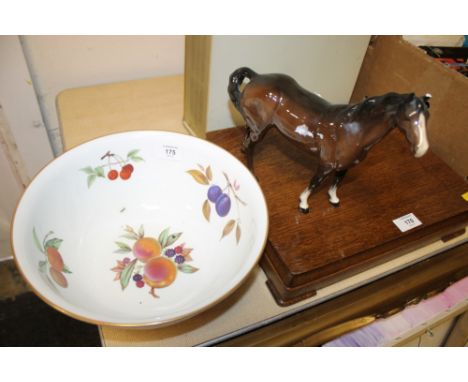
<point>307,252</point>
<point>196,83</point>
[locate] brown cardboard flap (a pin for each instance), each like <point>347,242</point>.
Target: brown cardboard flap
<point>392,64</point>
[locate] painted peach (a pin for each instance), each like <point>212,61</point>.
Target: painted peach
<point>58,277</point>
<point>55,259</point>
<point>146,248</point>
<point>159,272</point>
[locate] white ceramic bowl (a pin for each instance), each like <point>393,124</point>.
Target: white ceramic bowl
<point>148,247</point>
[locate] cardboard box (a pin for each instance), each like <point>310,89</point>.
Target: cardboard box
<point>392,64</point>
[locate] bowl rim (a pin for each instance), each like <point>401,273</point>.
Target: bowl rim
<point>151,324</point>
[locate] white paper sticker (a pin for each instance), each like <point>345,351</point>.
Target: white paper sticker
<point>407,222</point>
<point>169,152</point>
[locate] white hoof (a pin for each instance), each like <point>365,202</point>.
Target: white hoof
<point>303,205</point>
<point>333,199</point>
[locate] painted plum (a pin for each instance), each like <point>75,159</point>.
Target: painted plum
<point>213,193</point>
<point>223,205</point>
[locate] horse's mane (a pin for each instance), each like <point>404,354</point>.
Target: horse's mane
<point>374,106</point>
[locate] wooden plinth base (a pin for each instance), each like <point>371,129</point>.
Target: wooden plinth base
<point>306,252</point>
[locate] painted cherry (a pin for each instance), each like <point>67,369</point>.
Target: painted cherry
<point>112,174</point>
<point>128,167</point>
<point>124,175</point>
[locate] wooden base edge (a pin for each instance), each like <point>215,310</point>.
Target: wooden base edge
<point>283,295</point>
<point>289,301</point>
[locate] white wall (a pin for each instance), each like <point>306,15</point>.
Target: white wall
<point>328,65</point>
<point>24,145</point>
<point>9,196</point>
<point>61,62</point>
<point>23,121</point>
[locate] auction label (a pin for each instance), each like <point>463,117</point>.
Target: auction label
<point>171,152</point>
<point>407,222</point>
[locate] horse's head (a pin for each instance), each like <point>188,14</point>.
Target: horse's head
<point>411,117</point>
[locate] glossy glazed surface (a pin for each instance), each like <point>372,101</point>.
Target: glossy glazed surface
<point>117,231</point>
<point>338,135</point>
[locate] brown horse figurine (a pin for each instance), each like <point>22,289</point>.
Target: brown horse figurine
<point>338,135</point>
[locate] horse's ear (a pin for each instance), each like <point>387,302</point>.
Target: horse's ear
<point>426,97</point>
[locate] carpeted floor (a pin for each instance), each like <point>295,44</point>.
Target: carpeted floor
<point>27,321</point>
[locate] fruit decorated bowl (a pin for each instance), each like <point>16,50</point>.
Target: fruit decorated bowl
<point>139,229</point>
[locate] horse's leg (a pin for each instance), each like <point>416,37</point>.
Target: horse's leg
<point>251,136</point>
<point>247,141</point>
<point>248,148</point>
<point>333,199</point>
<point>318,178</point>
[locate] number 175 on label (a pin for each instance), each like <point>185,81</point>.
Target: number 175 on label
<point>407,222</point>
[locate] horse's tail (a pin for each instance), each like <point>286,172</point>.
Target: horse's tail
<point>235,80</point>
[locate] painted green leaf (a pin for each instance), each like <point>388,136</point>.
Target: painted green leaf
<point>171,239</point>
<point>55,243</point>
<point>88,170</point>
<point>136,158</point>
<point>141,231</point>
<point>129,229</point>
<point>127,274</point>
<point>130,236</point>
<point>99,171</point>
<point>121,251</point>
<point>163,237</point>
<point>91,179</point>
<point>123,247</point>
<point>66,269</point>
<point>43,266</point>
<point>187,268</point>
<point>36,241</point>
<point>132,153</point>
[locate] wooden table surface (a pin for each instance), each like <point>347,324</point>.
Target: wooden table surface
<point>156,103</point>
